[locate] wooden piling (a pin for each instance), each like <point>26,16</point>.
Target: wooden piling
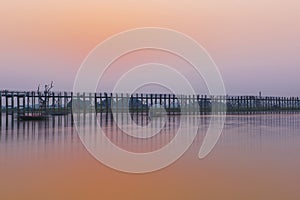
<point>95,102</point>
<point>0,109</point>
<point>6,102</point>
<point>165,101</point>
<point>84,103</point>
<point>111,102</point>
<point>100,97</point>
<point>71,101</point>
<point>90,101</point>
<point>18,103</point>
<point>0,101</point>
<point>151,100</point>
<point>142,99</point>
<point>32,101</point>
<point>53,101</point>
<point>12,101</point>
<point>137,104</point>
<point>122,103</point>
<point>65,100</point>
<point>28,100</point>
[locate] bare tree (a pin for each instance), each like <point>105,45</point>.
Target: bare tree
<point>44,99</point>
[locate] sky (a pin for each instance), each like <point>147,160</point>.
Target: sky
<point>255,44</point>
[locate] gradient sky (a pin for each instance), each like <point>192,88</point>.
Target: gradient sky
<point>255,44</point>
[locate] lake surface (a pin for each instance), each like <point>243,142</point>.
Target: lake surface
<point>256,157</point>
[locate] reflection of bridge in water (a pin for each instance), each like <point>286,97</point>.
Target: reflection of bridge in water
<point>248,132</point>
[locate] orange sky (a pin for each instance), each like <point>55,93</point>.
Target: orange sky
<point>254,43</point>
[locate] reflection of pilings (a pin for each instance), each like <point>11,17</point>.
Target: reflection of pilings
<point>262,131</point>
<point>167,130</point>
<point>35,138</point>
<point>245,132</point>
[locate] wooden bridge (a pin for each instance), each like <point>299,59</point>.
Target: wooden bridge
<point>31,101</point>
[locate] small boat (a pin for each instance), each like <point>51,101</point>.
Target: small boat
<point>32,117</point>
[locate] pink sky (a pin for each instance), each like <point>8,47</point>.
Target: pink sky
<point>255,44</point>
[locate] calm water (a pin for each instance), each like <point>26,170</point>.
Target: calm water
<point>257,157</point>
